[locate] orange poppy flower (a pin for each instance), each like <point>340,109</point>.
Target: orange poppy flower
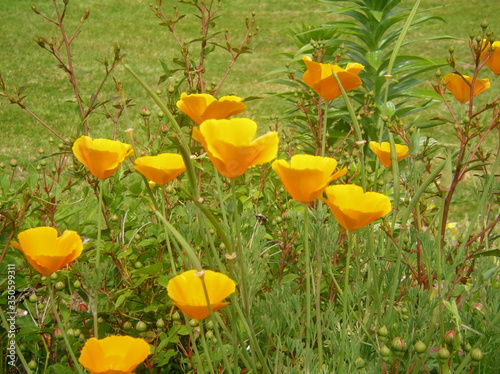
<point>320,78</point>
<point>306,176</point>
<point>161,168</point>
<point>354,208</point>
<point>101,156</point>
<point>493,61</point>
<point>200,107</point>
<point>231,146</point>
<point>47,252</point>
<point>460,87</point>
<point>186,290</point>
<point>383,152</point>
<point>114,354</point>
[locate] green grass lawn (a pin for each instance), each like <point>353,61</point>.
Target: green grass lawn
<point>133,25</point>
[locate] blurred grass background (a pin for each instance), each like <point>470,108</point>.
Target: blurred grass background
<point>132,25</point>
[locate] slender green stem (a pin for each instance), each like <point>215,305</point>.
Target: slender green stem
<point>210,310</point>
<point>404,220</point>
<point>181,240</point>
<point>346,299</point>
<point>307,256</point>
<point>237,246</point>
<point>18,351</point>
<point>184,147</point>
<point>439,275</point>
<point>205,348</point>
<point>395,175</point>
<point>319,326</point>
<point>325,127</point>
<point>167,237</point>
<point>357,129</point>
<point>62,327</point>
<point>95,305</point>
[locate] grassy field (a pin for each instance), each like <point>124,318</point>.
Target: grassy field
<point>133,25</point>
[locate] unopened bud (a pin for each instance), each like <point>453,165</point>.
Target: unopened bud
<point>444,354</point>
<point>476,355</point>
<point>484,24</point>
<point>34,9</point>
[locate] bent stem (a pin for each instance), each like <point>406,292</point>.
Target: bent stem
<point>62,327</point>
<point>98,261</point>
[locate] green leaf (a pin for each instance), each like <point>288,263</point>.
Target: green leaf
<point>493,252</point>
<point>288,278</point>
<point>488,274</point>
<point>149,270</point>
<point>122,298</point>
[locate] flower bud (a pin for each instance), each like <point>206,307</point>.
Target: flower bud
<point>359,363</point>
<point>443,354</point>
<point>385,352</point>
<point>383,333</point>
<point>399,345</point>
<point>160,323</point>
<point>176,316</point>
<point>59,286</point>
<point>449,337</point>
<point>476,355</point>
<point>420,348</point>
<point>127,325</point>
<point>141,326</point>
<point>13,163</point>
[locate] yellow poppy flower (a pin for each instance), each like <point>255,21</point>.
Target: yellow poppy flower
<point>161,168</point>
<point>231,146</point>
<point>383,152</point>
<point>114,354</point>
<point>493,61</point>
<point>201,107</point>
<point>47,252</point>
<point>187,292</point>
<point>101,156</point>
<point>320,78</point>
<point>460,87</point>
<point>354,208</point>
<point>306,176</point>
